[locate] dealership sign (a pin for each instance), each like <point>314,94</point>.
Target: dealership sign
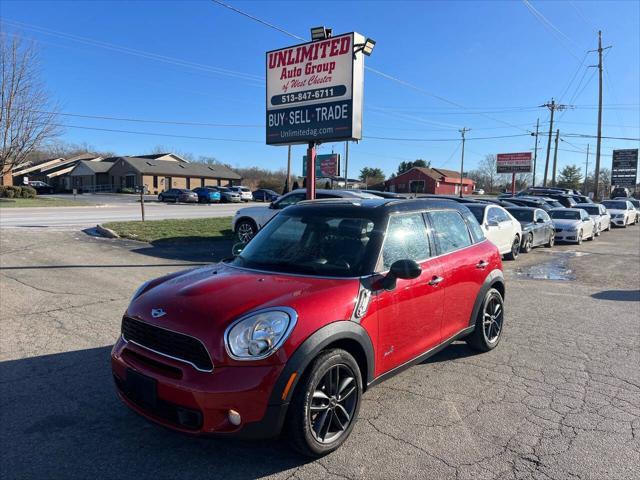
<point>326,165</point>
<point>514,162</point>
<point>314,92</point>
<point>624,168</point>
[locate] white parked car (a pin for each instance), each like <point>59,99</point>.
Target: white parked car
<point>572,225</point>
<point>499,226</point>
<point>636,204</point>
<point>247,221</point>
<point>245,193</point>
<point>478,191</point>
<point>599,215</point>
<point>622,212</point>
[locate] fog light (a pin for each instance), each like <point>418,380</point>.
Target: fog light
<point>234,418</point>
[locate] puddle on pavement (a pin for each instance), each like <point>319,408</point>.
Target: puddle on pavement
<point>556,269</point>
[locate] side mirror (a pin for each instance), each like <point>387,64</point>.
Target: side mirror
<point>237,248</point>
<point>406,269</point>
<point>272,205</point>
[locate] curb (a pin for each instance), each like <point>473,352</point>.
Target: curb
<point>106,232</point>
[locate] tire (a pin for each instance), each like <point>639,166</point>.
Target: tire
<point>515,249</point>
<point>579,238</point>
<point>486,336</point>
<point>552,240</point>
<point>160,198</point>
<point>592,237</point>
<point>528,244</point>
<point>246,229</point>
<point>308,432</point>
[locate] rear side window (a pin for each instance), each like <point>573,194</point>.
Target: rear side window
<point>406,239</point>
<point>474,227</point>
<point>450,230</point>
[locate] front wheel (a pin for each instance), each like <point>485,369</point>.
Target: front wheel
<point>325,404</point>
<point>160,198</point>
<point>579,238</point>
<point>552,240</point>
<point>246,230</point>
<point>489,323</point>
<point>515,249</point>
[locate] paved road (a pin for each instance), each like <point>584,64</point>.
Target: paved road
<point>559,398</point>
<point>84,217</point>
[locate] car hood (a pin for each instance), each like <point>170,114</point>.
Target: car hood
<point>203,302</point>
<point>562,223</point>
<point>252,211</point>
<point>616,211</point>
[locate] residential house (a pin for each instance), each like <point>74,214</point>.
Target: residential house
<point>429,180</point>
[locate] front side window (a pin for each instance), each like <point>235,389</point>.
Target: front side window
<point>406,239</point>
<point>474,227</point>
<point>450,230</point>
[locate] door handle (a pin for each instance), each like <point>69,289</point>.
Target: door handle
<point>435,280</point>
<point>482,264</point>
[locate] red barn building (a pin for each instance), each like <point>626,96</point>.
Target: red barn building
<point>429,180</point>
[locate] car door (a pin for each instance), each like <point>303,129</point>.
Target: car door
<point>504,228</point>
<point>540,229</point>
<point>410,315</point>
<point>492,228</point>
<point>547,227</point>
<point>464,265</point>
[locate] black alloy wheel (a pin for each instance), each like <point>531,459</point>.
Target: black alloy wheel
<point>489,323</point>
<point>325,404</point>
<point>246,230</point>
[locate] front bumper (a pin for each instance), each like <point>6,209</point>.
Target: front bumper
<point>566,236</point>
<point>197,402</point>
<point>619,222</point>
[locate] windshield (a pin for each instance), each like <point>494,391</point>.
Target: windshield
<point>477,210</point>
<point>521,215</point>
<point>615,205</point>
<point>592,210</point>
<point>554,203</point>
<point>310,244</point>
<point>565,214</point>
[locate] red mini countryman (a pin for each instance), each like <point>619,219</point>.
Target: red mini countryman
<point>328,299</point>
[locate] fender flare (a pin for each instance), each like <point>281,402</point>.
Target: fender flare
<point>494,277</point>
<point>336,331</point>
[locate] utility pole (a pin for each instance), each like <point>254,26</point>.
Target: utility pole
<point>555,160</point>
<point>288,185</point>
<point>535,153</point>
<point>462,131</point>
<point>552,106</point>
<point>586,173</point>
<point>346,165</point>
<point>596,188</point>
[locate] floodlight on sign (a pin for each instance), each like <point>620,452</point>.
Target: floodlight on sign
<point>318,33</point>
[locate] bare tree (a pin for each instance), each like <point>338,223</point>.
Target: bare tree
<point>488,169</point>
<point>26,118</point>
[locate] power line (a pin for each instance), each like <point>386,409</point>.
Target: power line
<point>154,134</point>
<point>550,26</point>
<point>444,139</point>
<point>264,22</point>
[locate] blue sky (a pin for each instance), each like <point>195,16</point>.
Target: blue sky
<point>195,61</point>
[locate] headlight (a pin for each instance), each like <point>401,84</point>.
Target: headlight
<point>259,334</point>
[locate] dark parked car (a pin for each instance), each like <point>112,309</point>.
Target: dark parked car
<point>264,195</point>
<point>537,227</point>
<point>329,299</point>
<point>532,202</point>
<point>207,194</point>
<point>455,198</point>
<point>377,193</point>
<point>41,187</point>
<point>498,201</point>
<point>178,195</point>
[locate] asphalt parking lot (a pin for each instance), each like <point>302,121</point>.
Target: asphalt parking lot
<point>559,398</point>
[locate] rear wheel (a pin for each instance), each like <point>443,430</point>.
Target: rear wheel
<point>160,198</point>
<point>489,323</point>
<point>552,240</point>
<point>325,404</point>
<point>515,249</point>
<point>528,243</point>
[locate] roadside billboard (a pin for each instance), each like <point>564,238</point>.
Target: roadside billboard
<point>314,92</point>
<point>326,165</point>
<point>624,168</point>
<point>514,162</point>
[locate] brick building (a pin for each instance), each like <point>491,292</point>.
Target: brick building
<point>429,180</point>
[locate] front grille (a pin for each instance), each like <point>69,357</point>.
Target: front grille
<point>558,229</point>
<point>166,342</point>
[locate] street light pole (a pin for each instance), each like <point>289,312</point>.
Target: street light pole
<point>535,153</point>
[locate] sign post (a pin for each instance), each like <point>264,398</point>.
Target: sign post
<point>513,163</point>
<point>314,94</point>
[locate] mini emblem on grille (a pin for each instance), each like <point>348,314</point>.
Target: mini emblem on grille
<point>157,312</point>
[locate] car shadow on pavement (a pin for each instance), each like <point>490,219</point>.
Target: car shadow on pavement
<point>619,295</point>
<point>191,249</point>
<point>61,419</point>
<point>452,352</point>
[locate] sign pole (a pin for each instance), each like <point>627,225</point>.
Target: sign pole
<point>346,165</point>
<point>311,171</point>
<point>142,201</point>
